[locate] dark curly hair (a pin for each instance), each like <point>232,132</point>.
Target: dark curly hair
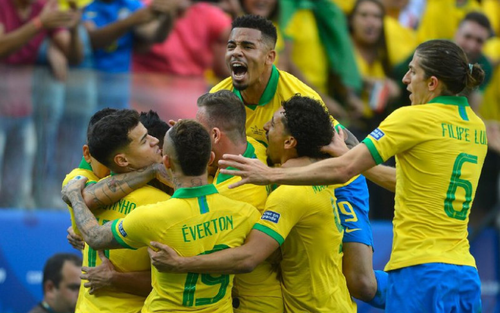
<point>110,134</point>
<point>309,122</point>
<point>192,146</point>
<point>257,22</point>
<point>155,125</point>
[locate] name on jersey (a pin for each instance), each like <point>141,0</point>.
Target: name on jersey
<point>271,216</point>
<point>208,228</point>
<point>464,134</point>
<point>377,133</point>
<point>123,206</point>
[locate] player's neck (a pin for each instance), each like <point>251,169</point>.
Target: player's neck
<point>182,181</point>
<point>253,93</point>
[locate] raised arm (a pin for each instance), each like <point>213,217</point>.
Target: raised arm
<point>258,246</point>
<point>96,236</point>
<point>111,189</point>
<point>327,172</point>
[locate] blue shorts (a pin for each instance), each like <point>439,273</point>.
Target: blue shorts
<point>353,203</point>
<point>433,288</point>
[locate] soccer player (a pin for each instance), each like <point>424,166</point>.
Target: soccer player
<point>121,143</point>
<point>262,88</point>
<point>223,114</point>
<point>302,220</point>
<point>197,220</point>
<point>440,145</point>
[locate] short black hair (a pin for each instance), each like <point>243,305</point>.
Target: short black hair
<point>110,134</point>
<point>309,123</point>
<point>98,116</point>
<point>155,125</point>
<point>225,111</point>
<point>53,267</point>
<point>257,22</point>
<point>478,18</point>
<point>192,146</point>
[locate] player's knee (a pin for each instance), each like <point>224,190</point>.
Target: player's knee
<point>362,287</point>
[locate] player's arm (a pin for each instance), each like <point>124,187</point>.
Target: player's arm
<point>105,276</point>
<point>243,259</point>
<point>96,236</point>
<point>111,189</point>
<point>326,172</point>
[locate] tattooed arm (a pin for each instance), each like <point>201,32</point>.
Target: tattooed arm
<point>96,236</point>
<point>111,189</point>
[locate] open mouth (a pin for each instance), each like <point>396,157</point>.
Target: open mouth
<point>239,70</point>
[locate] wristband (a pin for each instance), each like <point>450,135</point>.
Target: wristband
<point>37,22</point>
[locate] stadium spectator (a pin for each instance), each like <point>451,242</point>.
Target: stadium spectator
<point>194,46</point>
<point>61,283</point>
<point>224,222</point>
<point>433,198</point>
<point>23,27</point>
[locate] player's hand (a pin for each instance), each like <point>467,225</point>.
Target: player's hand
<point>165,259</point>
<point>337,146</point>
<point>163,175</point>
<point>252,171</point>
<point>74,187</point>
<point>98,277</point>
<point>74,240</point>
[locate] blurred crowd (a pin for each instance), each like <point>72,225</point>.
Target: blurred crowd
<point>62,60</point>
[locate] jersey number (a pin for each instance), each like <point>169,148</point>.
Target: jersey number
<point>207,279</point>
<point>456,182</point>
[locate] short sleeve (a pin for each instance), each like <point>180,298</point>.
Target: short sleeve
<point>132,231</point>
<point>397,133</point>
<point>281,214</point>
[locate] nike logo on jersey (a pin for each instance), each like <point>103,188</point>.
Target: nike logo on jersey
<point>347,230</point>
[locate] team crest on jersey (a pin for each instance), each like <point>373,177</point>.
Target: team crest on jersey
<point>121,230</point>
<point>271,216</point>
<point>377,134</point>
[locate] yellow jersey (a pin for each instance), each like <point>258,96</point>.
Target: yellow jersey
<point>440,149</point>
<point>85,170</point>
<point>281,87</point>
<point>304,220</point>
<point>194,221</point>
<point>260,290</point>
<point>123,260</point>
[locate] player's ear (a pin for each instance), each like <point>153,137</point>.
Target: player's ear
<point>212,158</point>
<point>433,83</point>
<point>271,56</point>
<point>86,153</point>
<point>166,161</point>
<point>121,160</point>
<point>290,143</point>
<point>216,135</point>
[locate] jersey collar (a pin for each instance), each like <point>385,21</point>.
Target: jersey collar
<point>85,165</point>
<point>249,153</point>
<point>269,92</point>
<point>453,100</point>
<point>195,192</point>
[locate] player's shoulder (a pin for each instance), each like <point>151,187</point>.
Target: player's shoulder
<point>288,81</point>
<point>91,177</point>
<point>226,84</point>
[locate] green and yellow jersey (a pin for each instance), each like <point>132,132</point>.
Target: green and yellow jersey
<point>440,149</point>
<point>260,290</point>
<point>305,222</point>
<point>85,170</point>
<point>194,221</point>
<point>281,87</point>
<point>123,260</point>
